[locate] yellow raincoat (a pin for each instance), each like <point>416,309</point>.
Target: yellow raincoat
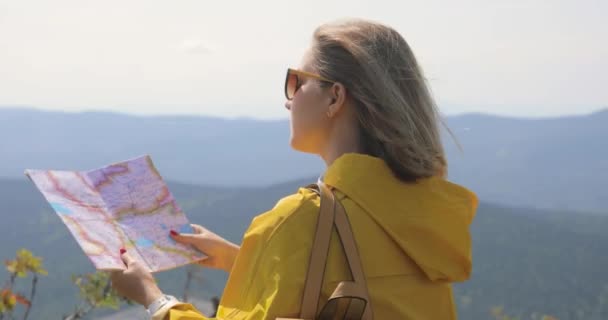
<point>413,240</point>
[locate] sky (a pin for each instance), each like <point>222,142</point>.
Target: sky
<point>531,58</point>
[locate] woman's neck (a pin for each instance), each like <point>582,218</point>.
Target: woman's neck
<point>344,139</point>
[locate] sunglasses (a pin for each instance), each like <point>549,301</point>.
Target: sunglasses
<point>293,81</point>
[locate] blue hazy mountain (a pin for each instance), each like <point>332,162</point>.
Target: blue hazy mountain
<point>526,260</point>
<point>557,163</point>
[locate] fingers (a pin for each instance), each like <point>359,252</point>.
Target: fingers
<point>126,257</point>
<point>197,228</point>
<point>185,238</point>
<point>208,263</point>
<point>205,261</point>
<point>189,238</point>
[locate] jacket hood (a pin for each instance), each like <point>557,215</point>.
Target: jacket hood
<point>429,220</point>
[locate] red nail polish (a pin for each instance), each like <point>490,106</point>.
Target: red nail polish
<point>174,233</point>
<point>122,251</point>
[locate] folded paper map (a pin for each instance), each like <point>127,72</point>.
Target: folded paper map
<point>123,205</point>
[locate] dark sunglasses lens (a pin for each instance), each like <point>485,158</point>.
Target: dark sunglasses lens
<point>291,85</point>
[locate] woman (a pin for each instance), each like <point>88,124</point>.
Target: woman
<point>359,100</point>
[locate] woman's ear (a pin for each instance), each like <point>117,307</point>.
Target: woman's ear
<point>338,99</point>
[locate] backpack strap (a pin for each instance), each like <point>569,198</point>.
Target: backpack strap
<point>358,287</point>
<point>320,250</point>
<point>353,295</point>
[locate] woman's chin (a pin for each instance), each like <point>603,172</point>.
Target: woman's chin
<point>296,144</point>
<point>301,148</point>
<point>293,144</point>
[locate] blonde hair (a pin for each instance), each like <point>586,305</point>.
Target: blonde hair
<point>398,118</point>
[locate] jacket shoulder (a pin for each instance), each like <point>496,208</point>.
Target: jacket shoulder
<point>304,202</point>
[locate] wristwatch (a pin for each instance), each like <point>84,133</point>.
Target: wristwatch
<point>159,303</point>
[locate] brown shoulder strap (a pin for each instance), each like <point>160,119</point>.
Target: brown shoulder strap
<point>318,256</point>
<point>332,212</point>
<point>352,255</point>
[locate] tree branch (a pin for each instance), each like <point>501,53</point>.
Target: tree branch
<point>31,299</point>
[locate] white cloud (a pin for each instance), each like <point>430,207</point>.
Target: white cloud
<point>195,46</point>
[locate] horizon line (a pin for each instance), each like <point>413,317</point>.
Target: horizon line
<point>598,109</point>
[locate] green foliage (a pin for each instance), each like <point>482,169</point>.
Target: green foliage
<point>25,263</point>
<point>95,289</point>
<point>8,300</point>
<point>96,292</point>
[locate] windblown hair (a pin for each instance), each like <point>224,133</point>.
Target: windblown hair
<point>397,115</point>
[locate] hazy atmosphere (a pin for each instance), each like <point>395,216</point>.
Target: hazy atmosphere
<point>228,58</point>
<point>88,88</point>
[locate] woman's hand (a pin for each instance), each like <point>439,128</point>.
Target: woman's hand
<point>220,252</point>
<point>135,283</point>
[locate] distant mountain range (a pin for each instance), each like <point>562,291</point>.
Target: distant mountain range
<point>224,172</point>
<point>556,163</point>
<point>527,260</point>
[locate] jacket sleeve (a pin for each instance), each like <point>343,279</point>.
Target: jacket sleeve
<point>274,290</point>
<point>268,278</point>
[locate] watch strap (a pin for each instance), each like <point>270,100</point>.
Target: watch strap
<point>160,302</point>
